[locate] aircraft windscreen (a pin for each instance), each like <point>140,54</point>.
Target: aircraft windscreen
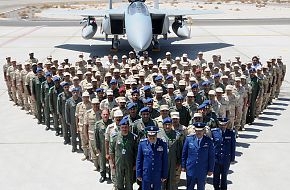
<point>138,7</point>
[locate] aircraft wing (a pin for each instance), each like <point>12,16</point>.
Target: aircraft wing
<point>102,13</point>
<point>180,12</point>
<point>92,12</point>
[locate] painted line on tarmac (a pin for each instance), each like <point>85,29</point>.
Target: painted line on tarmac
<point>20,36</point>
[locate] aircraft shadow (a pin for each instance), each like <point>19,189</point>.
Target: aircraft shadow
<point>166,45</point>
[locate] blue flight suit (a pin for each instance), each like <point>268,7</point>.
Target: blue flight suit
<point>152,163</point>
<point>197,160</point>
<point>225,147</point>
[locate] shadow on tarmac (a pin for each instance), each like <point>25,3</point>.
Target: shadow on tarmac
<point>102,50</point>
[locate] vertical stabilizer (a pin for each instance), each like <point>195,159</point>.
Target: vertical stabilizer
<point>110,4</point>
<point>156,4</point>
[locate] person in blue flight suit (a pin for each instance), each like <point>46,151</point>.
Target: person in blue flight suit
<point>225,146</point>
<point>152,160</point>
<point>197,157</point>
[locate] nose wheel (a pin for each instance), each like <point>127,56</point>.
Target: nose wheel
<point>115,43</point>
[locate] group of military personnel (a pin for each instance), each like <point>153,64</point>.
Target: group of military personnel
<point>144,121</point>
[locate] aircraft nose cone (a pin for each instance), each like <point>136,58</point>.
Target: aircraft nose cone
<point>139,31</point>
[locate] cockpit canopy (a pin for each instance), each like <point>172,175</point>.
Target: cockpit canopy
<point>138,7</point>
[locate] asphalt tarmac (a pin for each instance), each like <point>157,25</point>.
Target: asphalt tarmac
<point>32,158</point>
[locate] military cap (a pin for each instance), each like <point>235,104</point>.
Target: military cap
<point>124,121</point>
<point>200,53</point>
<point>223,120</point>
<point>75,89</point>
<point>127,82</point>
<point>159,77</point>
<point>64,84</point>
<point>252,70</point>
<point>243,77</point>
<point>174,115</point>
<point>131,52</point>
<point>115,57</point>
<point>85,94</point>
<point>116,71</point>
<point>217,75</point>
<point>168,53</point>
<point>186,72</point>
<point>159,60</point>
<point>95,101</point>
<point>79,72</point>
<point>151,130</point>
<point>147,87</point>
<point>195,85</point>
<point>222,63</point>
<point>66,74</point>
<point>205,83</point>
<point>89,86</point>
<point>150,62</point>
<point>279,58</point>
<point>170,86</point>
<point>227,70</point>
<point>121,99</point>
<point>201,106</point>
<point>158,89</point>
<point>219,89</point>
<point>197,114</point>
<point>88,73</point>
<point>169,77</point>
<point>118,113</point>
<point>135,91</point>
<point>145,109</point>
<point>224,77</point>
<point>113,81</point>
<point>184,55</point>
<point>177,72</point>
<point>49,57</point>
<point>124,56</point>
<point>94,80</point>
<point>75,78</point>
<point>141,73</point>
<point>148,100</point>
<point>131,105</point>
<point>192,79</point>
<point>109,92</point>
<point>229,87</point>
<point>190,94</point>
<point>99,90</point>
<point>56,78</point>
<point>182,83</point>
<point>133,81</point>
<point>47,74</point>
<point>164,107</point>
<point>199,126</point>
<point>173,65</point>
<point>108,75</point>
<point>211,92</point>
<point>237,78</point>
<point>207,70</point>
<point>179,97</point>
<point>38,70</point>
<point>177,59</point>
<point>167,120</point>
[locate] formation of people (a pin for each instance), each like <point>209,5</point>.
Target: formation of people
<point>143,121</point>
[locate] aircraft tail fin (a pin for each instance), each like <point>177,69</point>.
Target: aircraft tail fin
<point>156,4</point>
<point>110,4</point>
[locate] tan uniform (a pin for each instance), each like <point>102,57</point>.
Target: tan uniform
<point>10,74</point>
<point>81,109</point>
<point>25,94</point>
<point>232,109</point>
<point>241,95</point>
<point>224,107</point>
<point>28,81</point>
<point>90,119</point>
<point>105,104</point>
<point>19,90</point>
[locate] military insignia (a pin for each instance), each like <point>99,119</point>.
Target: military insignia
<point>160,149</point>
<point>228,137</point>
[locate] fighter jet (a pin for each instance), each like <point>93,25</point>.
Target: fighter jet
<point>141,24</point>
